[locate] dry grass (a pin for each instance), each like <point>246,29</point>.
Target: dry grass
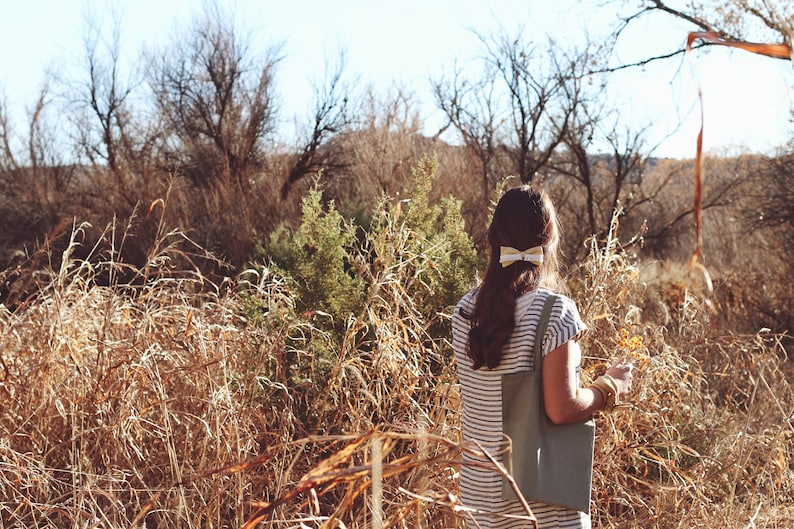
<point>177,405</point>
<point>709,437</point>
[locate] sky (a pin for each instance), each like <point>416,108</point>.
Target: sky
<point>747,98</point>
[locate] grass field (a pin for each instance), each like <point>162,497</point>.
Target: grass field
<point>184,402</point>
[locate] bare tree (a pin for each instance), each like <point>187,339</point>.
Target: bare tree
<point>613,177</point>
<point>517,116</point>
<point>544,93</point>
<point>7,158</point>
<point>389,130</point>
<point>217,98</point>
<point>118,142</point>
<point>34,177</point>
<point>104,95</point>
<point>329,119</point>
<point>577,163</point>
<point>381,146</point>
<point>774,201</point>
<point>471,107</point>
<point>732,21</point>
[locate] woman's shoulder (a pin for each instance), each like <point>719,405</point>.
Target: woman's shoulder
<point>561,301</point>
<point>462,316</point>
<point>468,300</point>
<point>566,323</point>
<point>566,301</point>
<point>564,309</point>
<point>541,294</point>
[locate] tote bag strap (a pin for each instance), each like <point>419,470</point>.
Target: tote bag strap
<point>543,324</point>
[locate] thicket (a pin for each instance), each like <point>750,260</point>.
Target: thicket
<point>263,402</point>
<point>196,132</point>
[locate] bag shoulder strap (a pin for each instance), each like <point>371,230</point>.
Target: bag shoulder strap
<point>541,331</point>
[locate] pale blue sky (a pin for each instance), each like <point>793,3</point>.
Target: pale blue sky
<point>747,97</point>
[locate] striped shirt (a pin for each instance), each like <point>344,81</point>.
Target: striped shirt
<point>481,486</point>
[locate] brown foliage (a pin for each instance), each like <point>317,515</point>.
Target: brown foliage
<point>179,404</point>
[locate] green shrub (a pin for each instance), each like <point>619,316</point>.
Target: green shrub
<point>319,260</point>
<point>428,245</point>
<point>426,249</point>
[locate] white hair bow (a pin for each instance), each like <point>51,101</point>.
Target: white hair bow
<point>508,255</point>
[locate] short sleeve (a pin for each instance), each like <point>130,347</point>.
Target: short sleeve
<point>564,324</point>
<point>461,324</point>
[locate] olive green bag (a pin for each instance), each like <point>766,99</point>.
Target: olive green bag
<point>552,463</point>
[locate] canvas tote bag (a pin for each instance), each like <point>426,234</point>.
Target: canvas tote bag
<point>552,463</point>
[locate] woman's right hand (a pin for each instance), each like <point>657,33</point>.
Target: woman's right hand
<point>621,372</point>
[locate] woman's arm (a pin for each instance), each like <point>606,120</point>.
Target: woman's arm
<point>564,400</point>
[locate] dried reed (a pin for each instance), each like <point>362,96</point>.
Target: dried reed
<point>176,404</point>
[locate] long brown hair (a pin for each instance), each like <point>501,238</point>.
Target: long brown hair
<point>524,218</point>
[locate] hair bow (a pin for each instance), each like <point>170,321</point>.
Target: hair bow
<point>508,255</point>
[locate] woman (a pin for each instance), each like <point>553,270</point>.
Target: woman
<point>491,328</point>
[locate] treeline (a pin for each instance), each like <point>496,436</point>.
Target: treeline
<point>190,151</point>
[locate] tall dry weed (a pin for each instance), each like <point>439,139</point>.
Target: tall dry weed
<point>705,398</point>
<point>184,403</point>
